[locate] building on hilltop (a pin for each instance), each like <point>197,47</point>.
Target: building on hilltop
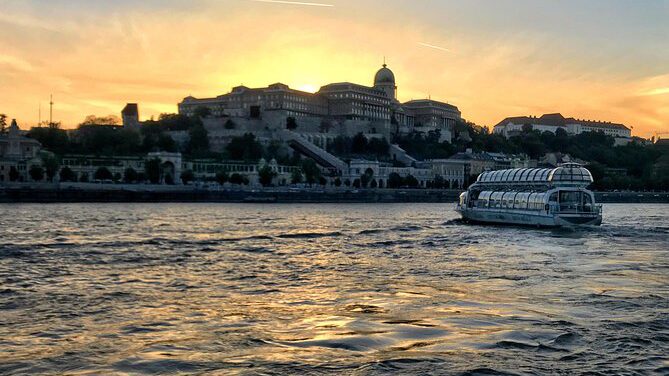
<point>17,153</point>
<point>513,126</point>
<point>338,102</point>
<point>130,116</point>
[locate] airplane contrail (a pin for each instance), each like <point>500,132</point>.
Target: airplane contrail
<point>294,3</point>
<point>435,47</point>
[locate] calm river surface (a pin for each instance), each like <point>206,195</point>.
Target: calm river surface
<point>328,289</point>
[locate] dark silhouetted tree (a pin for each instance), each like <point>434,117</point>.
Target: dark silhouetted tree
<point>411,181</point>
<point>101,120</point>
<point>166,143</point>
<point>222,177</point>
<point>3,123</point>
<point>66,174</point>
<point>359,144</point>
<point>296,177</point>
<point>291,123</point>
<point>266,175</point>
<point>152,170</point>
<point>245,148</point>
<point>187,176</point>
<point>238,179</point>
<point>51,166</point>
<point>103,173</point>
<point>14,174</point>
<point>36,173</point>
<point>311,171</point>
<point>130,175</point>
<point>395,180</point>
<point>198,143</point>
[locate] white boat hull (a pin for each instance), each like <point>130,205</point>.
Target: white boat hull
<point>530,218</point>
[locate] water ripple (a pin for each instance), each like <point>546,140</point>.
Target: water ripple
<point>328,289</point>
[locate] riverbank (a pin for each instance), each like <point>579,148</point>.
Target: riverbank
<point>161,193</point>
<point>90,192</point>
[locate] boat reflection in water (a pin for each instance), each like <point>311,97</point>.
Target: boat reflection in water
<point>542,197</point>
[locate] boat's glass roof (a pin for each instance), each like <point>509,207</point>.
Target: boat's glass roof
<point>568,173</point>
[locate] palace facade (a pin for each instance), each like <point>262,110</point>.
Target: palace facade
<point>335,102</point>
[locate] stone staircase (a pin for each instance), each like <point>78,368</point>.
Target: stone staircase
<point>399,154</point>
<point>309,149</point>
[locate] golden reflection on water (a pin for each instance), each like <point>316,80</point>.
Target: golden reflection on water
<point>211,288</point>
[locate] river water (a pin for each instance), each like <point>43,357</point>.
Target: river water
<point>328,289</point>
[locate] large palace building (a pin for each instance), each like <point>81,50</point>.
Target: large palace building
<point>337,101</point>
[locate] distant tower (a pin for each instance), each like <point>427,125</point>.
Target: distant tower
<point>130,116</point>
<point>51,109</point>
<point>14,135</point>
<point>385,81</point>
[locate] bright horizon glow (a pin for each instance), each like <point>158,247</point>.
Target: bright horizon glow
<point>606,61</point>
<point>293,3</point>
<point>308,88</point>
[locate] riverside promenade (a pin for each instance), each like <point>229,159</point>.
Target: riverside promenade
<point>92,192</point>
<point>97,192</point>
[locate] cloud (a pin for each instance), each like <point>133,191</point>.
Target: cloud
<point>16,63</point>
<point>103,58</point>
<point>658,91</point>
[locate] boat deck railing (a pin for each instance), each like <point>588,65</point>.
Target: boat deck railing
<point>553,208</point>
<point>575,208</point>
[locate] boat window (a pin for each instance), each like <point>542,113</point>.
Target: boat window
<point>569,196</point>
<point>535,174</point>
<point>530,201</point>
<point>524,175</point>
<point>515,175</point>
<point>545,174</point>
<point>570,201</point>
<point>505,175</point>
<point>587,202</point>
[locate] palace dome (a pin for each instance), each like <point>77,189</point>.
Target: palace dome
<point>384,76</point>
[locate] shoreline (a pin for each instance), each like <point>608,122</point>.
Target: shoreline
<point>55,193</point>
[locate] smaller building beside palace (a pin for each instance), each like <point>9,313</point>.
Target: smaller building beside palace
<point>513,126</point>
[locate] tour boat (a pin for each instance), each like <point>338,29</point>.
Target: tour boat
<point>542,197</point>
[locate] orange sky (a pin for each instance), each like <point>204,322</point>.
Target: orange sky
<point>95,58</point>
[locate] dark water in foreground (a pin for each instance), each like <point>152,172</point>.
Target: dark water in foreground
<point>321,289</point>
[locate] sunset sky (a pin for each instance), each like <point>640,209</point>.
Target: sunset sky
<point>596,59</point>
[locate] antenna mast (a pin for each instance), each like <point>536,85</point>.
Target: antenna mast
<point>51,109</point>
